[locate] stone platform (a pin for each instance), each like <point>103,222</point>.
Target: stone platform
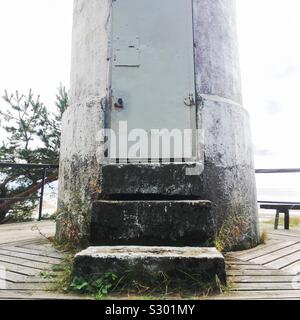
<point>176,262</point>
<point>151,223</point>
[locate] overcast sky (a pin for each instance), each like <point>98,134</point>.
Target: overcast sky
<point>35,51</point>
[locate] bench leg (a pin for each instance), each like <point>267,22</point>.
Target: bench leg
<point>286,219</point>
<point>277,219</point>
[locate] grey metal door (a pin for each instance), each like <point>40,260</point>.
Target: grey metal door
<point>152,68</point>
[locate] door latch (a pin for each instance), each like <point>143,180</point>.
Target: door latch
<point>189,100</point>
<point>119,104</point>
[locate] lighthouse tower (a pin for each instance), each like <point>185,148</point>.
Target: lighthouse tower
<point>142,72</point>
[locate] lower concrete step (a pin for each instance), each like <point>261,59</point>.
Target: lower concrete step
<point>145,263</point>
<point>163,223</point>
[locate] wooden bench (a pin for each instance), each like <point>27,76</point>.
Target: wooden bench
<point>281,207</point>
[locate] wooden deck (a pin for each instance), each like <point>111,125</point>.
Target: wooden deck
<point>269,271</point>
<point>26,262</point>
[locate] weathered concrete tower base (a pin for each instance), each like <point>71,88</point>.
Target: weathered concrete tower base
<point>157,64</point>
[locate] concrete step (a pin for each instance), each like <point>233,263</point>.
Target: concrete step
<point>164,179</point>
<point>163,223</point>
<point>146,263</point>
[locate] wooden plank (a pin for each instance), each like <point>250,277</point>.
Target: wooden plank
<point>39,247</point>
<point>25,263</point>
<point>30,286</point>
<point>40,241</point>
<point>238,254</point>
<point>290,233</point>
<point>279,238</point>
<point>259,295</point>
<point>12,277</point>
<point>293,268</point>
<point>247,256</point>
<point>12,233</point>
<point>237,262</point>
<point>18,278</point>
<point>276,255</point>
<point>285,261</point>
<point>25,271</point>
<point>30,257</point>
<point>47,252</point>
<point>257,273</point>
<point>246,267</point>
<point>33,295</point>
<point>269,286</point>
<point>261,279</point>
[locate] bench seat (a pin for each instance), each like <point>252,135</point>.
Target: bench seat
<point>281,207</point>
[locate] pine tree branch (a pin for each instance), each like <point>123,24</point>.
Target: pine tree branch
<point>27,192</point>
<point>8,180</point>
